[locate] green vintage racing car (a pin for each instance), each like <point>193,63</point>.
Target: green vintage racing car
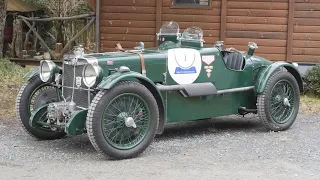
<point>122,99</point>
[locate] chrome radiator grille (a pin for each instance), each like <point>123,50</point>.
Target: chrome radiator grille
<point>80,97</point>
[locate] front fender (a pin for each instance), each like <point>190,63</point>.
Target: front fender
<point>32,73</point>
<point>264,76</point>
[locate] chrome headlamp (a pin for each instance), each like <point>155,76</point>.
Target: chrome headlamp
<point>47,70</point>
<point>92,75</point>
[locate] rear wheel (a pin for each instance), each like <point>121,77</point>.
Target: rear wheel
<point>123,121</point>
<point>32,95</point>
<point>278,105</point>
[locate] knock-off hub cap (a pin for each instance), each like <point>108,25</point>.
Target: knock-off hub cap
<point>286,102</point>
<point>130,122</point>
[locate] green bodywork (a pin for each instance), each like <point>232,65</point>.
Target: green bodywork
<point>76,123</point>
<point>173,106</point>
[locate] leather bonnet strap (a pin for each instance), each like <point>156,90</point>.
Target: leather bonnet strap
<point>143,66</point>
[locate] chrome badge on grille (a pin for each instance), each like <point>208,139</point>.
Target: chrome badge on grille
<point>78,81</point>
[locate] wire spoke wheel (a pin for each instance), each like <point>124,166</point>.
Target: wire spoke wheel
<point>282,101</point>
<point>126,121</point>
<point>32,95</point>
<point>123,121</point>
<point>278,105</point>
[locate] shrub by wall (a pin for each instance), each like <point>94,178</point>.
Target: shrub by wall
<point>313,81</point>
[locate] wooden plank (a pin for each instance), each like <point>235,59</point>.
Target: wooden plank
<point>258,5</point>
<point>211,40</point>
<point>223,17</point>
<point>290,30</point>
<point>306,51</point>
<point>211,33</point>
<point>257,27</point>
<point>257,20</point>
<point>260,42</point>
<point>307,36</point>
<point>309,1</point>
<point>306,58</point>
<point>257,13</point>
<point>260,0</point>
<point>261,49</point>
<point>124,44</point>
<point>203,26</point>
<point>273,57</point>
<point>306,44</point>
<point>215,4</point>
<point>307,7</point>
<point>126,23</point>
<point>105,49</point>
<point>127,16</point>
<point>158,17</point>
<point>307,22</point>
<point>127,37</point>
<point>128,30</point>
<point>257,35</point>
<point>307,14</point>
<point>190,18</point>
<point>141,3</point>
<point>206,12</point>
<point>306,29</point>
<point>128,9</point>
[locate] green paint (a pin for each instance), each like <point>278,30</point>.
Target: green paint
<point>264,76</point>
<point>256,72</point>
<point>76,124</point>
<point>38,118</point>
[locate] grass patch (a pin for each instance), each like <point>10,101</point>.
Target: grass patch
<point>310,104</point>
<point>11,79</point>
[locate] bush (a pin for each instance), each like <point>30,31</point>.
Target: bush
<point>11,79</point>
<point>313,81</point>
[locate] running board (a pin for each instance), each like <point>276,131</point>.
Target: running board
<point>201,89</point>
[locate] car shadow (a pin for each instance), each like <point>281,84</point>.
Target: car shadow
<point>230,124</point>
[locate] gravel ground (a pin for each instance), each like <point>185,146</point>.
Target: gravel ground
<point>224,148</point>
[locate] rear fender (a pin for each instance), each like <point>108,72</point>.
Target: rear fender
<point>264,76</point>
<point>112,80</point>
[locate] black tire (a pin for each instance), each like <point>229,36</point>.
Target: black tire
<point>98,108</point>
<point>28,89</point>
<point>264,102</point>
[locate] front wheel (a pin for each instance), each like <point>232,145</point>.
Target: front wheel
<point>278,105</point>
<point>32,95</point>
<point>123,121</point>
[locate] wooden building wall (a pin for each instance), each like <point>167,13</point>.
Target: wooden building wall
<point>207,19</point>
<point>283,29</point>
<point>127,22</point>
<point>306,31</point>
